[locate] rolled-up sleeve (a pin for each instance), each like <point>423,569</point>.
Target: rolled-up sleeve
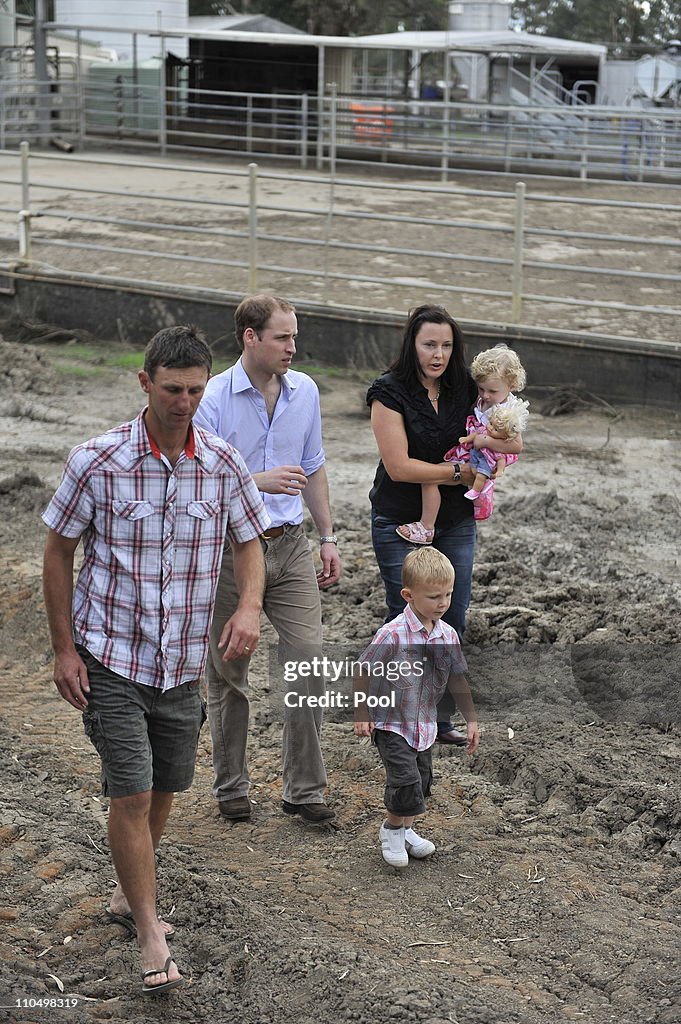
<point>313,457</point>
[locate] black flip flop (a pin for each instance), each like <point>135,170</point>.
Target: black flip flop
<point>150,990</point>
<point>127,921</point>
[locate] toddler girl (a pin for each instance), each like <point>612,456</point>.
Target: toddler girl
<point>493,440</point>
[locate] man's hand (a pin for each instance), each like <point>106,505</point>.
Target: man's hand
<point>473,733</point>
<point>241,632</point>
<point>281,480</point>
<point>331,566</point>
<point>71,679</point>
<point>364,728</point>
<point>240,635</point>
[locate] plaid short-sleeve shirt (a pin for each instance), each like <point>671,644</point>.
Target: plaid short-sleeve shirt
<point>153,536</point>
<point>417,666</point>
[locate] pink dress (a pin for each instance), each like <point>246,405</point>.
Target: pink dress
<point>477,423</point>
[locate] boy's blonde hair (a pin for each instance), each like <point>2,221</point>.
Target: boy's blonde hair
<point>500,361</point>
<point>424,566</point>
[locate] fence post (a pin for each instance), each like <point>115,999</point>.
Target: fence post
<point>25,184</point>
<point>446,115</point>
<point>24,216</point>
<point>24,235</point>
<point>163,112</point>
<point>304,117</point>
<point>334,121</point>
<point>252,228</point>
<point>81,91</point>
<point>584,161</point>
<point>518,231</point>
<point>332,193</point>
<point>321,77</point>
<point>249,122</point>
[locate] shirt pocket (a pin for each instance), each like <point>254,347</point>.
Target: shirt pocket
<point>132,526</point>
<point>203,509</point>
<point>201,522</point>
<point>131,510</point>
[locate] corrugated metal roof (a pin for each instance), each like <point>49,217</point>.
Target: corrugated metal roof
<point>240,23</point>
<point>464,42</point>
<point>485,42</point>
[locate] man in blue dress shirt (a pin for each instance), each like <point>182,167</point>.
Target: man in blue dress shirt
<point>271,414</point>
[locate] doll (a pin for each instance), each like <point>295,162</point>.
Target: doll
<point>505,422</point>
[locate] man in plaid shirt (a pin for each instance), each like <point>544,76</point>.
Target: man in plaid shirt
<point>152,501</point>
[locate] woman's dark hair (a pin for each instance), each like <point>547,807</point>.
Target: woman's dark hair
<point>406,366</point>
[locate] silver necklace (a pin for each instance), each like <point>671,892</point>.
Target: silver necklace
<point>437,396</point>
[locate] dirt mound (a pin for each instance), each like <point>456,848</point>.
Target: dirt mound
<point>24,369</point>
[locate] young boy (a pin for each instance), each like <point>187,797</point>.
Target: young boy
<point>407,666</point>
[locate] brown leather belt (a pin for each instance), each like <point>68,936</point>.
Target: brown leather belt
<point>274,531</point>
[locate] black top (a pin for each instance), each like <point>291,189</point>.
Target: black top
<point>429,435</point>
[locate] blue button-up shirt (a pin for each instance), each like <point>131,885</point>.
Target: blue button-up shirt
<point>235,410</point>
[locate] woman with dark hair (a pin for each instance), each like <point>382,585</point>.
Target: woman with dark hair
<point>418,411</point>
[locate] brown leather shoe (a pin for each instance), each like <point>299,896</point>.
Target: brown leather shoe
<point>316,814</point>
<point>238,809</point>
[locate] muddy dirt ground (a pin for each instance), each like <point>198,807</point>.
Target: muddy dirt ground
<point>179,223</point>
<point>554,892</point>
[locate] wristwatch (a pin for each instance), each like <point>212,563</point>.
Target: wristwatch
<point>331,538</point>
<point>456,469</point>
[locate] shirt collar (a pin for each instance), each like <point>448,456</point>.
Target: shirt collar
<point>142,442</point>
<point>242,382</point>
<point>416,626</point>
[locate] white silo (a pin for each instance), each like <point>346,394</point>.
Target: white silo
<point>8,34</point>
<point>479,15</point>
<point>125,17</point>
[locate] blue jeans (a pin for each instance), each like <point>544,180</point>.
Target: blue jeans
<point>457,543</point>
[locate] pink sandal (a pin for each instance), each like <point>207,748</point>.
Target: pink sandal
<point>415,533</point>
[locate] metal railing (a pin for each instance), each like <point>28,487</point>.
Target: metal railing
<point>582,140</point>
<point>329,247</point>
<point>444,138</point>
<point>39,110</point>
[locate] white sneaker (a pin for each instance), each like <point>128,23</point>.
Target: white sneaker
<point>416,845</point>
<point>392,847</point>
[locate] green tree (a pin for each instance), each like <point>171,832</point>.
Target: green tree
<point>621,24</point>
<point>338,17</point>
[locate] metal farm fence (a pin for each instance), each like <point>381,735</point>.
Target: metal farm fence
<point>269,233</point>
<point>441,137</point>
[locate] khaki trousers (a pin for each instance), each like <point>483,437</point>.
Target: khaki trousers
<point>292,604</point>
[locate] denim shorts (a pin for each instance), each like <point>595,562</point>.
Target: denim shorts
<point>146,738</point>
<point>408,773</point>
